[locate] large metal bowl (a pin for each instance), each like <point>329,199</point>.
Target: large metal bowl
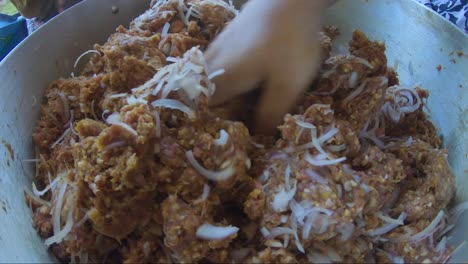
<point>417,39</point>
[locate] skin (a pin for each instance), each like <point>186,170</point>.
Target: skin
<point>276,48</point>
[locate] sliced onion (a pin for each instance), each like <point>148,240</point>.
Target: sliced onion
<point>315,161</point>
<point>362,61</point>
<point>223,138</point>
<point>211,175</point>
<point>210,232</point>
<point>120,95</point>
<point>165,30</point>
<point>116,144</point>
<point>442,245</point>
<point>114,119</point>
<point>287,176</point>
<point>277,231</point>
<point>278,155</point>
<point>174,104</point>
<point>205,194</point>
<point>216,74</point>
<point>36,198</point>
<point>390,220</point>
<point>257,145</point>
<point>51,186</point>
<point>328,135</point>
<point>58,207</point>
<point>303,124</point>
<point>273,244</point>
<point>66,105</point>
<point>58,237</point>
<point>356,92</point>
<point>429,230</point>
<point>282,198</point>
<point>265,232</point>
<point>133,100</point>
<point>84,54</point>
<point>353,79</point>
<point>388,227</point>
<point>315,176</point>
<point>337,148</point>
<point>265,176</point>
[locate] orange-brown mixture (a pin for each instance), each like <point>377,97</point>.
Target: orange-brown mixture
<point>136,167</point>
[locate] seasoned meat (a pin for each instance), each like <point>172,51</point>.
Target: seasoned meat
<point>134,166</point>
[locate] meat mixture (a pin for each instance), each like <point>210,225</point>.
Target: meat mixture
<point>133,166</point>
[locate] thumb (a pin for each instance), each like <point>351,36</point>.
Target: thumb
<point>241,73</point>
<point>277,100</point>
<point>282,92</point>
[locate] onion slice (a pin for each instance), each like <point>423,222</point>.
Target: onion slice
<point>429,230</point>
<point>84,54</point>
<point>282,198</point>
<point>319,161</point>
<point>211,175</point>
<point>59,236</point>
<point>51,186</point>
<point>114,119</point>
<point>165,30</point>
<point>174,104</point>
<point>210,232</point>
<point>223,138</point>
<point>388,227</point>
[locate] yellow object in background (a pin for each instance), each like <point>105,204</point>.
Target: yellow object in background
<point>7,8</point>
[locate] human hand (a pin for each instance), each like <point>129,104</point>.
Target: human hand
<point>273,43</point>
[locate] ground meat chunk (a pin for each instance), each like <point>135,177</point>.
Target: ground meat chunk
<point>144,170</point>
<point>429,185</point>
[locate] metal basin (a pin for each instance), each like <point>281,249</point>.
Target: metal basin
<point>417,39</point>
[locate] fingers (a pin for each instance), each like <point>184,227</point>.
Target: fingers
<point>241,74</point>
<point>283,89</point>
<point>276,100</point>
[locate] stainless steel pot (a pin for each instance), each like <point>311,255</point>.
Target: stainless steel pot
<point>418,40</point>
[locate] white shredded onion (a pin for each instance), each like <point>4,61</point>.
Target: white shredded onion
<point>320,161</point>
<point>84,54</point>
<point>282,198</point>
<point>223,138</point>
<point>216,74</point>
<point>59,236</point>
<point>36,198</point>
<point>429,230</point>
<point>114,119</point>
<point>133,100</point>
<point>353,79</point>
<point>120,95</point>
<point>165,30</point>
<point>51,186</point>
<point>388,227</point>
<point>315,176</point>
<point>210,232</point>
<point>211,175</point>
<point>174,104</point>
<point>59,199</point>
<point>205,194</point>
